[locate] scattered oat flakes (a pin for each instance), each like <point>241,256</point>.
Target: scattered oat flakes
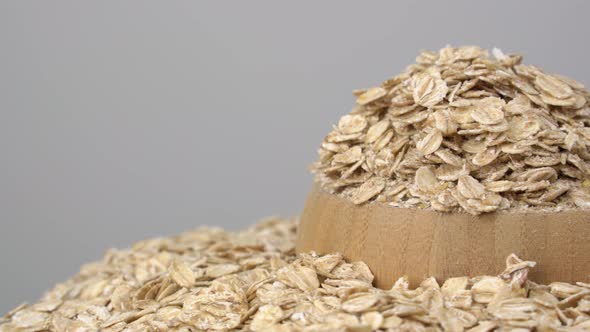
<point>212,280</point>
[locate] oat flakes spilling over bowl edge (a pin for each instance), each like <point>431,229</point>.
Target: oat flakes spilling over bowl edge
<point>210,279</point>
<point>462,131</point>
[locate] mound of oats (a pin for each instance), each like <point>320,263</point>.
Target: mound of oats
<point>210,279</point>
<point>460,131</point>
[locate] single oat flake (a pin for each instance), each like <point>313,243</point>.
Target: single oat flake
<point>461,113</point>
<point>213,280</point>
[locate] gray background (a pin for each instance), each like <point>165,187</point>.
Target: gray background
<point>122,120</point>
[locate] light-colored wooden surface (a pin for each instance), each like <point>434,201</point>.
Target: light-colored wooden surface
<point>420,243</point>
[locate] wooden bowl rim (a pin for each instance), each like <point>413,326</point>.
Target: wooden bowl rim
<point>381,205</point>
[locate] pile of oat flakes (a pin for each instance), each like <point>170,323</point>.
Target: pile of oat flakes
<point>458,131</point>
<point>210,279</point>
<point>461,131</point>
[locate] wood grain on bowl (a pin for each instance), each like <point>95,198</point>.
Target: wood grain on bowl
<point>421,243</point>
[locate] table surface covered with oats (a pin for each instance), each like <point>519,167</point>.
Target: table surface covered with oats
<point>457,131</point>
<point>210,279</point>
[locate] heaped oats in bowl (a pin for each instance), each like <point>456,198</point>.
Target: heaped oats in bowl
<point>462,131</point>
<point>451,165</point>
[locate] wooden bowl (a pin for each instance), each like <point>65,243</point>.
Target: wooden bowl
<point>423,243</point>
